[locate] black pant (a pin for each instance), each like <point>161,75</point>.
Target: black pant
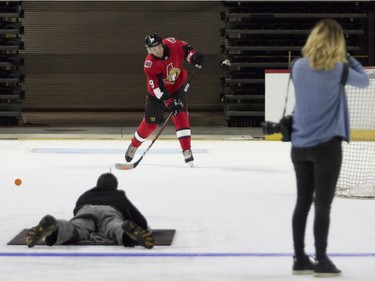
<point>317,170</point>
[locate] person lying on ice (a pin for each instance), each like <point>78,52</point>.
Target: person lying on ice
<point>103,209</point>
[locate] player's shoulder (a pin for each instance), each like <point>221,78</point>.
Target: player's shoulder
<point>149,61</point>
<point>300,62</point>
<point>121,192</point>
<point>172,41</point>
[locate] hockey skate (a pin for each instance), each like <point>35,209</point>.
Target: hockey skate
<point>142,236</point>
<point>129,155</point>
<point>188,155</point>
<point>45,227</point>
<point>302,266</point>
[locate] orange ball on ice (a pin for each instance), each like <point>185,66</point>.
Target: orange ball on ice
<point>17,182</point>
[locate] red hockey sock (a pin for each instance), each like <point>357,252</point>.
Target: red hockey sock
<point>185,143</point>
<point>143,132</point>
<point>182,125</point>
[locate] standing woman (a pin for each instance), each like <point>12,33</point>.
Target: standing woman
<point>320,123</point>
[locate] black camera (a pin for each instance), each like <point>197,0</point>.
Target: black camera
<point>284,127</point>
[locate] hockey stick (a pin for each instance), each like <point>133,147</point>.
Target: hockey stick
<point>129,166</point>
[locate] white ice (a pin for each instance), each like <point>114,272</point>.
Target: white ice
<point>232,212</point>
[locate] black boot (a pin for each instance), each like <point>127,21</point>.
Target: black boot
<point>142,236</point>
<point>302,265</point>
<point>46,227</point>
<point>324,267</point>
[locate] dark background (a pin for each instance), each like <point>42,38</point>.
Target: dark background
<point>87,56</point>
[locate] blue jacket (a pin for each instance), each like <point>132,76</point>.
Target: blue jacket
<point>321,108</point>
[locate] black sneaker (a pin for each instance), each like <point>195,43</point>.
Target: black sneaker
<point>302,266</point>
<point>188,155</point>
<point>138,234</point>
<point>45,227</point>
<point>326,268</point>
<point>129,155</point>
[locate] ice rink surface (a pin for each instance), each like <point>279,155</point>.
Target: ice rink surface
<point>232,212</point>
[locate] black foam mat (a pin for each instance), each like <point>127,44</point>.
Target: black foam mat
<point>163,237</point>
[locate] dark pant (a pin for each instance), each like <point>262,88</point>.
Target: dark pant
<point>317,170</point>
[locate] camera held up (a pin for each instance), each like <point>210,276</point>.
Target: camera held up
<point>284,127</point>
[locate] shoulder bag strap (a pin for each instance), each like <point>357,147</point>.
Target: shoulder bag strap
<point>345,73</point>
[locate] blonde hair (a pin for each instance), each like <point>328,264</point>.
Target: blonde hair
<point>325,45</point>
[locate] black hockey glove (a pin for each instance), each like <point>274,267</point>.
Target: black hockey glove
<point>175,107</point>
<point>197,59</point>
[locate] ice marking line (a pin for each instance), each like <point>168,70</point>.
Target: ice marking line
<point>166,255</point>
<point>110,150</point>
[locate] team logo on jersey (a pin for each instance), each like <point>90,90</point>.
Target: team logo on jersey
<point>172,74</point>
<point>148,63</point>
<point>171,39</point>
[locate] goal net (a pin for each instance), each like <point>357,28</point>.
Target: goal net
<point>357,177</point>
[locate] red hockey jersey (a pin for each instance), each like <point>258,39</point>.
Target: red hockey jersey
<point>170,68</point>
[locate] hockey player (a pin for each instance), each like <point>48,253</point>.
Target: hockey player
<point>166,79</point>
<point>103,209</point>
